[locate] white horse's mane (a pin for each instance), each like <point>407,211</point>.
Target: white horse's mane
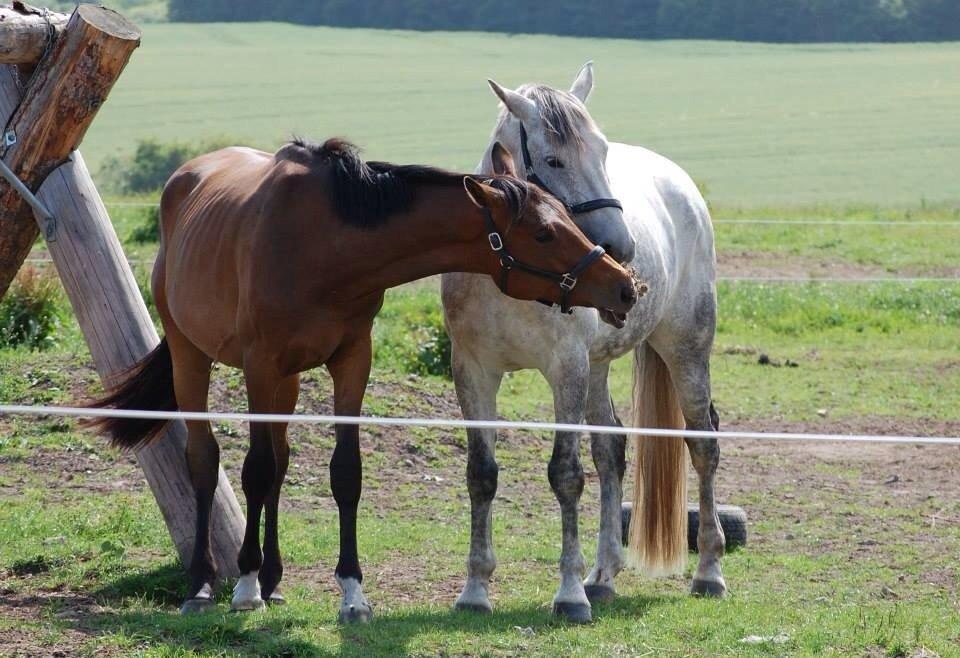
<point>562,113</point>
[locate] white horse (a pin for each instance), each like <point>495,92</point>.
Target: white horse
<point>665,233</point>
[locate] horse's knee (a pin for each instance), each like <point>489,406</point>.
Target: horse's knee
<point>203,459</point>
<point>609,454</point>
<point>482,476</point>
<point>258,474</point>
<point>566,475</point>
<point>345,474</point>
<point>705,454</point>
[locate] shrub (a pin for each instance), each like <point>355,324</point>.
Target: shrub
<point>433,351</point>
<point>409,335</point>
<point>152,163</point>
<point>30,311</point>
<point>148,230</point>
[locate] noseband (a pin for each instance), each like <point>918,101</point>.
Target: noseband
<point>567,281</point>
<point>576,209</point>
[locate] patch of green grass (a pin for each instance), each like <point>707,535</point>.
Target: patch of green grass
<point>916,249</point>
<point>758,123</point>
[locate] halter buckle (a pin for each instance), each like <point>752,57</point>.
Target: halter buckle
<point>507,261</point>
<point>568,282</point>
<point>496,242</point>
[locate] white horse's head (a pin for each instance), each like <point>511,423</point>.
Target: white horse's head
<point>567,153</point>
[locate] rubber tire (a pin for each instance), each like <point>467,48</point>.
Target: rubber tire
<point>733,520</point>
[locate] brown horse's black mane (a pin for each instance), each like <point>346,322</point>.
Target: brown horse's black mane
<point>366,194</point>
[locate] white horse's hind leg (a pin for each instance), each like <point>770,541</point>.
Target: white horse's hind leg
<point>569,383</point>
<point>690,369</point>
<point>609,457</point>
<point>477,392</point>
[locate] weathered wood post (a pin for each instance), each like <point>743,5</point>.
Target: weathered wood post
<point>44,127</point>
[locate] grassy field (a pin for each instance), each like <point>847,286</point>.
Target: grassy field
<point>759,124</point>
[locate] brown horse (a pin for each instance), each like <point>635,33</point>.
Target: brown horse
<point>277,263</point>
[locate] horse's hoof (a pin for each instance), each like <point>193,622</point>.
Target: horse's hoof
<point>708,588</point>
<point>599,593</point>
<point>196,606</point>
<point>482,608</point>
<point>276,598</point>
<point>248,605</point>
<point>355,614</point>
<point>577,613</point>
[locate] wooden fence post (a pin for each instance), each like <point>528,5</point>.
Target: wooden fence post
<point>70,85</point>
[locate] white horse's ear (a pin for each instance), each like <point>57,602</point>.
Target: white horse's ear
<point>519,105</point>
<point>583,85</point>
<point>503,164</point>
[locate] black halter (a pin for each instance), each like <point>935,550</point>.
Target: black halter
<point>567,280</point>
<point>576,209</point>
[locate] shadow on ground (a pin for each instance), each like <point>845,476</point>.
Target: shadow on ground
<point>279,631</point>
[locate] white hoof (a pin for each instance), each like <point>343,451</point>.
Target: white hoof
<point>354,607</point>
<point>474,597</point>
<point>246,594</point>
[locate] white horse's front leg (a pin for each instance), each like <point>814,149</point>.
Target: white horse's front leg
<point>609,457</point>
<point>477,390</point>
<point>569,383</point>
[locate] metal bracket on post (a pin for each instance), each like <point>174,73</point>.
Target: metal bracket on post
<point>46,220</point>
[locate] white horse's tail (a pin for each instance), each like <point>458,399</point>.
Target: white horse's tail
<point>658,524</point>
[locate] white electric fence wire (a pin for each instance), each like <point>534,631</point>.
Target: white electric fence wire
<point>83,412</point>
<point>838,222</point>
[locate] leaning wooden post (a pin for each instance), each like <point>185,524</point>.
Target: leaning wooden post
<point>69,86</point>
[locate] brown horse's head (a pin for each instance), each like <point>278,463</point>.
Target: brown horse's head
<point>541,244</point>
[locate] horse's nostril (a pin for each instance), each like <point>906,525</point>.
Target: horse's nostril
<point>628,294</point>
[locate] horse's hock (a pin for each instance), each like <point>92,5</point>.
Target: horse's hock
<point>55,73</point>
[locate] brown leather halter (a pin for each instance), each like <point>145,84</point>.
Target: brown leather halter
<point>567,280</point>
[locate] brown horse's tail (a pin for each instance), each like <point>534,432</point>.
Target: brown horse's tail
<point>658,524</point>
<point>148,386</point>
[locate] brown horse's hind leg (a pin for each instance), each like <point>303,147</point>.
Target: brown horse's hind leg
<point>258,477</point>
<point>350,369</point>
<point>191,380</point>
<point>272,570</point>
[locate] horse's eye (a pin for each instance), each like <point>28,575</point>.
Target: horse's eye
<point>544,235</point>
<point>554,162</point>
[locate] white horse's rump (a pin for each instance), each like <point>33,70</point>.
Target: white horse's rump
<point>665,233</point>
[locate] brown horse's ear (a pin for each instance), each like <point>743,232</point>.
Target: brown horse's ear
<point>477,191</point>
<point>503,164</point>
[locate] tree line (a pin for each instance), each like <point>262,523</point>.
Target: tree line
<point>744,20</point>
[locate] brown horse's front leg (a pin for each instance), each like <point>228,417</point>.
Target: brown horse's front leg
<point>272,569</point>
<point>350,369</point>
<point>260,477</point>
